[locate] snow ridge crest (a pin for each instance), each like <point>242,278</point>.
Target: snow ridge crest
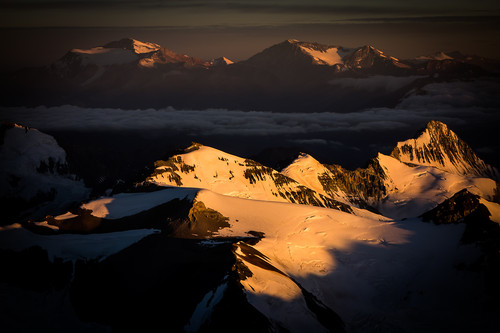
<point>440,147</point>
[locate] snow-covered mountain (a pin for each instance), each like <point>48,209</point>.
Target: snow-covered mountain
<point>289,53</point>
<point>293,267</point>
<point>458,56</point>
<point>361,188</point>
<point>393,188</point>
<point>97,60</point>
<point>454,62</point>
<point>34,174</point>
<point>412,190</point>
<point>397,186</point>
<point>222,61</point>
<point>228,241</point>
<point>296,53</point>
<point>429,170</point>
<point>209,168</point>
<point>134,45</point>
<point>440,147</point>
<point>368,57</point>
<point>435,56</point>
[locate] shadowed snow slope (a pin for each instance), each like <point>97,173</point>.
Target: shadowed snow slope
<point>71,246</point>
<point>34,173</point>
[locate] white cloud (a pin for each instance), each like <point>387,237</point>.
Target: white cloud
<point>471,109</point>
<point>453,103</point>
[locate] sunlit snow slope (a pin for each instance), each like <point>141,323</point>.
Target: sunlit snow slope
<point>205,167</point>
<point>435,166</point>
<point>359,267</point>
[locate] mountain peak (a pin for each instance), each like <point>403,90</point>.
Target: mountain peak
<point>436,125</point>
<point>194,146</point>
<point>304,160</point>
<point>209,168</point>
<point>134,45</point>
<point>440,147</point>
<point>293,53</point>
<point>221,61</point>
<point>440,55</point>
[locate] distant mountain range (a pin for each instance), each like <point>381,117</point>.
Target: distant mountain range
<point>284,77</point>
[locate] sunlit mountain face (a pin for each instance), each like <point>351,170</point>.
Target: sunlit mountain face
<point>311,187</point>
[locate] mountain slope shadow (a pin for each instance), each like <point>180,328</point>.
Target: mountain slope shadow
<point>426,284</point>
<point>158,283</point>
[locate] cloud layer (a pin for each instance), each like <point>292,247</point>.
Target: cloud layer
<point>472,109</point>
<point>453,103</point>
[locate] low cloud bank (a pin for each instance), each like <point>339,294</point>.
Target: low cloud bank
<point>472,108</point>
<point>207,122</point>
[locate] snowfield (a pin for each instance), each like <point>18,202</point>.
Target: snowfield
<point>329,57</point>
<point>415,190</point>
<point>222,173</point>
<point>360,267</point>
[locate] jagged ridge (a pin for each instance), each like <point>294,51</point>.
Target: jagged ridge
<point>205,167</point>
<point>440,147</point>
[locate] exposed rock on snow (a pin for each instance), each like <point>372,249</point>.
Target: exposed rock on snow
<point>440,147</point>
<point>409,182</point>
<point>222,61</point>
<point>454,209</point>
<point>209,168</point>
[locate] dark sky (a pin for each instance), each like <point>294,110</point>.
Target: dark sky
<point>240,28</point>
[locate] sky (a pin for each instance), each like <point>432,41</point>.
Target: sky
<point>238,29</point>
<point>232,12</point>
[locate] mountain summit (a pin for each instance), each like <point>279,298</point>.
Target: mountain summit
<point>419,173</point>
<point>134,45</point>
<point>440,147</point>
<point>88,65</point>
<point>297,53</point>
<point>205,167</point>
<point>221,61</point>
